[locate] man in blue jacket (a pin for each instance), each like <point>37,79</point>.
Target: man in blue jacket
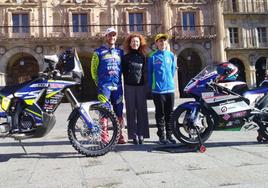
<point>106,73</point>
<point>161,71</point>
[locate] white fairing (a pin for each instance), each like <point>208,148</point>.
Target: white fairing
<point>54,58</point>
<point>231,85</point>
<point>78,70</point>
<point>230,106</point>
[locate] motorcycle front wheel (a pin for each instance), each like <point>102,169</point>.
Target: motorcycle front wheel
<point>183,129</point>
<point>98,140</point>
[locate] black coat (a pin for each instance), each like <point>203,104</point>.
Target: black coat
<point>133,68</point>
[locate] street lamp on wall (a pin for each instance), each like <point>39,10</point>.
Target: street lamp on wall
<point>21,60</point>
<point>189,56</point>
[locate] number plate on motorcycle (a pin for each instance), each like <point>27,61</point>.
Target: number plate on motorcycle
<point>207,94</point>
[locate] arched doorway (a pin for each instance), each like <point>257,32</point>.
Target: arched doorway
<point>260,68</point>
<point>241,68</point>
<point>21,68</point>
<point>189,65</point>
<point>88,87</point>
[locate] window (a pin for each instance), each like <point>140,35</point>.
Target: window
<point>233,33</point>
<point>20,23</point>
<point>188,21</point>
<point>262,34</point>
<point>234,5</point>
<point>135,22</point>
<point>80,23</point>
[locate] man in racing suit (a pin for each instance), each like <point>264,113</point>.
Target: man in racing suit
<point>106,73</point>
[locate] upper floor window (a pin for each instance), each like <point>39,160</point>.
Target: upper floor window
<point>135,22</point>
<point>234,5</point>
<point>188,21</point>
<point>262,34</point>
<point>233,33</point>
<point>20,23</point>
<point>80,23</point>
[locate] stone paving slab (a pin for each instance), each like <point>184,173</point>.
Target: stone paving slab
<point>232,160</point>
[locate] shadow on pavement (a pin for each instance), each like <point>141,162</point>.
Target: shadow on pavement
<point>41,143</point>
<point>63,155</point>
<point>179,148</point>
<point>148,146</point>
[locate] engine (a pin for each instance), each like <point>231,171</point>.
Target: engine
<point>26,121</point>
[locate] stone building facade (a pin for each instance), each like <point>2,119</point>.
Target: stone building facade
<point>245,37</point>
<point>198,29</point>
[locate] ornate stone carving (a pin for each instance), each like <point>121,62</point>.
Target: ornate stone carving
<point>135,1</point>
<point>190,1</point>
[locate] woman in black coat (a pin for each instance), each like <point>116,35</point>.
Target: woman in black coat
<point>133,68</point>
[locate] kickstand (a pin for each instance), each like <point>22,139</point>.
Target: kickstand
<point>23,147</point>
<point>201,147</point>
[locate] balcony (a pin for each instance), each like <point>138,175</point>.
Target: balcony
<point>77,32</point>
<point>245,7</point>
<point>193,32</point>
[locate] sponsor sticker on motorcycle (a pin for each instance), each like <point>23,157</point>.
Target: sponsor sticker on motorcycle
<point>226,117</point>
<point>239,114</point>
<point>207,94</point>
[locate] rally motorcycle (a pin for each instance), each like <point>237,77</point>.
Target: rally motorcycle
<point>217,107</point>
<point>28,108</point>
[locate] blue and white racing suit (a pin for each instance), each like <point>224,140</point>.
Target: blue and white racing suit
<point>106,73</point>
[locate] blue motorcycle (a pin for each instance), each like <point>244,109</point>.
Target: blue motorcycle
<point>219,106</point>
<point>28,108</point>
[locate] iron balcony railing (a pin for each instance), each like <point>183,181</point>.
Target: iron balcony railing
<point>192,32</point>
<point>245,7</point>
<point>75,31</point>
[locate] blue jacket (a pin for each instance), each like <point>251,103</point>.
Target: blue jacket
<point>161,70</point>
<point>106,66</point>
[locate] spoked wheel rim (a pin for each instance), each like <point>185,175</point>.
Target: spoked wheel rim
<point>185,132</point>
<point>98,140</point>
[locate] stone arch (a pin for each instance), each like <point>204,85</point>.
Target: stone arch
<point>249,72</point>
<point>260,67</point>
<point>237,62</point>
<point>88,86</point>
<point>13,51</point>
<point>191,59</point>
<point>20,64</point>
<point>202,52</point>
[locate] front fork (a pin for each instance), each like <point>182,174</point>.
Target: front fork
<point>194,118</point>
<point>78,107</point>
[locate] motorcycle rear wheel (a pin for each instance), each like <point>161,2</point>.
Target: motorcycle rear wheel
<point>89,142</point>
<point>185,132</point>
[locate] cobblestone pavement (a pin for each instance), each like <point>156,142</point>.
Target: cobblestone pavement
<point>232,160</point>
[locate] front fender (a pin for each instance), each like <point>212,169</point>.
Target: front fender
<point>85,105</point>
<point>191,105</point>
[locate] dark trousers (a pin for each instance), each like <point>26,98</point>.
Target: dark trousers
<point>136,110</point>
<point>164,104</point>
